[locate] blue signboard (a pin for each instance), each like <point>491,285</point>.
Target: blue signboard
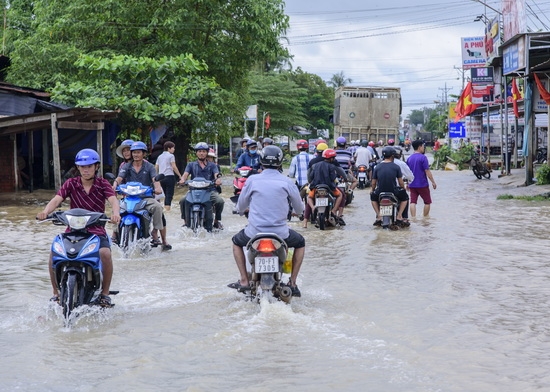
<point>457,130</point>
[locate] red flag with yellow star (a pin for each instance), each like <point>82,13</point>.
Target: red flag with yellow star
<point>464,105</point>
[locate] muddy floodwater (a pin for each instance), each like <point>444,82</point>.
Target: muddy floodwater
<point>460,301</point>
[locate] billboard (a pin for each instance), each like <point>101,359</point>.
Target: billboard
<point>473,52</point>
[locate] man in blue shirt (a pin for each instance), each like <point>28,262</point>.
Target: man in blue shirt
<point>202,167</point>
<point>250,157</point>
<point>299,164</point>
<point>269,188</point>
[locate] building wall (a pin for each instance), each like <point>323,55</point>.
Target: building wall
<point>7,176</point>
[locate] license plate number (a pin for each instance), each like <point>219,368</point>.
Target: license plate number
<point>321,202</point>
<point>386,210</point>
<point>362,175</point>
<point>266,264</point>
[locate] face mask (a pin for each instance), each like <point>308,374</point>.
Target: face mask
<point>252,152</point>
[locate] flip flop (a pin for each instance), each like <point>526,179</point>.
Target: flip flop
<point>239,287</point>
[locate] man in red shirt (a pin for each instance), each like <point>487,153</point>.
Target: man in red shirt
<point>89,192</point>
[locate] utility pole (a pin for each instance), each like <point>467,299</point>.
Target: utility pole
<point>445,106</point>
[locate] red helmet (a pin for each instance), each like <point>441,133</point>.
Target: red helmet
<point>391,142</point>
<point>371,143</point>
<point>329,153</point>
<point>320,141</point>
<point>302,144</point>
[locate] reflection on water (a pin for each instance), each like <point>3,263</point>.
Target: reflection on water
<point>456,302</point>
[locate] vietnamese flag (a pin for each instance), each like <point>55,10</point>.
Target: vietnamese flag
<point>515,96</point>
<point>267,121</point>
<point>464,105</point>
<point>543,93</point>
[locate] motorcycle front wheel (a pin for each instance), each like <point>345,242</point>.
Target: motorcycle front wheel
<point>128,234</point>
<point>195,221</point>
<point>70,295</point>
<point>476,172</point>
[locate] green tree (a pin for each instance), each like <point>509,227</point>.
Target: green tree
<point>277,94</point>
<point>339,80</point>
<point>319,103</point>
<point>417,117</point>
<point>47,39</point>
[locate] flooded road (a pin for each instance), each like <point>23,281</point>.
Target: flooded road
<point>457,302</point>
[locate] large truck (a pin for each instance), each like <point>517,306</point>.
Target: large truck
<point>367,113</point>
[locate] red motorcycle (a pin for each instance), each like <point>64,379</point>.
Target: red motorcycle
<point>238,183</point>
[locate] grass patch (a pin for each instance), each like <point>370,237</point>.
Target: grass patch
<point>543,197</point>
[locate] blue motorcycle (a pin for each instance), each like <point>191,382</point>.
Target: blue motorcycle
<point>76,263</point>
<point>197,201</point>
<point>135,220</point>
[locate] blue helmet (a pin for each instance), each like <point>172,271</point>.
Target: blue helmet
<point>138,146</point>
<point>341,141</point>
<point>86,157</point>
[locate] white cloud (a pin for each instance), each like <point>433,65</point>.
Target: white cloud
<point>406,44</point>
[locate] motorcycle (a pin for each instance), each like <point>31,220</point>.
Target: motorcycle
<point>388,210</point>
<point>135,220</point>
<point>324,202</point>
<point>344,187</point>
<point>266,253</point>
<point>238,183</point>
<point>198,199</point>
<point>542,153</point>
<point>75,258</point>
<point>362,177</point>
<point>480,169</point>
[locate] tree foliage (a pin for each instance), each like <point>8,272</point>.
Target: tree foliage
<point>53,44</point>
<point>339,80</point>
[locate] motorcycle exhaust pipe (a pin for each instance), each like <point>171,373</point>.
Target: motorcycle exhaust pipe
<point>286,293</point>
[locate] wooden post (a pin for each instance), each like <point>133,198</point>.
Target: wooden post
<point>55,150</point>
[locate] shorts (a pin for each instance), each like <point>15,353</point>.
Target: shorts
<point>424,193</point>
<point>400,194</point>
<point>104,242</point>
<point>336,192</point>
<point>294,240</point>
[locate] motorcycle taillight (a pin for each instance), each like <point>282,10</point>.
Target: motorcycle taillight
<point>266,246</point>
<point>386,202</point>
<point>321,192</point>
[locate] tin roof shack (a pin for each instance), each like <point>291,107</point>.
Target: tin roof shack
<point>367,113</point>
<point>35,132</point>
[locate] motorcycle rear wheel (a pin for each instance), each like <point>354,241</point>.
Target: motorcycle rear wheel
<point>321,220</point>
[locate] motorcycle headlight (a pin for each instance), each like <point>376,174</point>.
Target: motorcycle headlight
<point>77,222</point>
<point>58,248</point>
<point>134,190</point>
<point>90,248</point>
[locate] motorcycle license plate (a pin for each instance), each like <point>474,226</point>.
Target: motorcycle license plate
<point>266,264</point>
<point>321,202</point>
<point>362,175</point>
<point>386,210</point>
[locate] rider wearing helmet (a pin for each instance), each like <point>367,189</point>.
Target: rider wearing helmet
<point>208,170</point>
<point>391,143</point>
<point>123,151</point>
<point>250,157</point>
<point>345,161</point>
<point>90,192</point>
<point>139,170</point>
<point>324,172</point>
<point>267,142</point>
<point>299,164</point>
<point>387,177</point>
<point>270,188</point>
